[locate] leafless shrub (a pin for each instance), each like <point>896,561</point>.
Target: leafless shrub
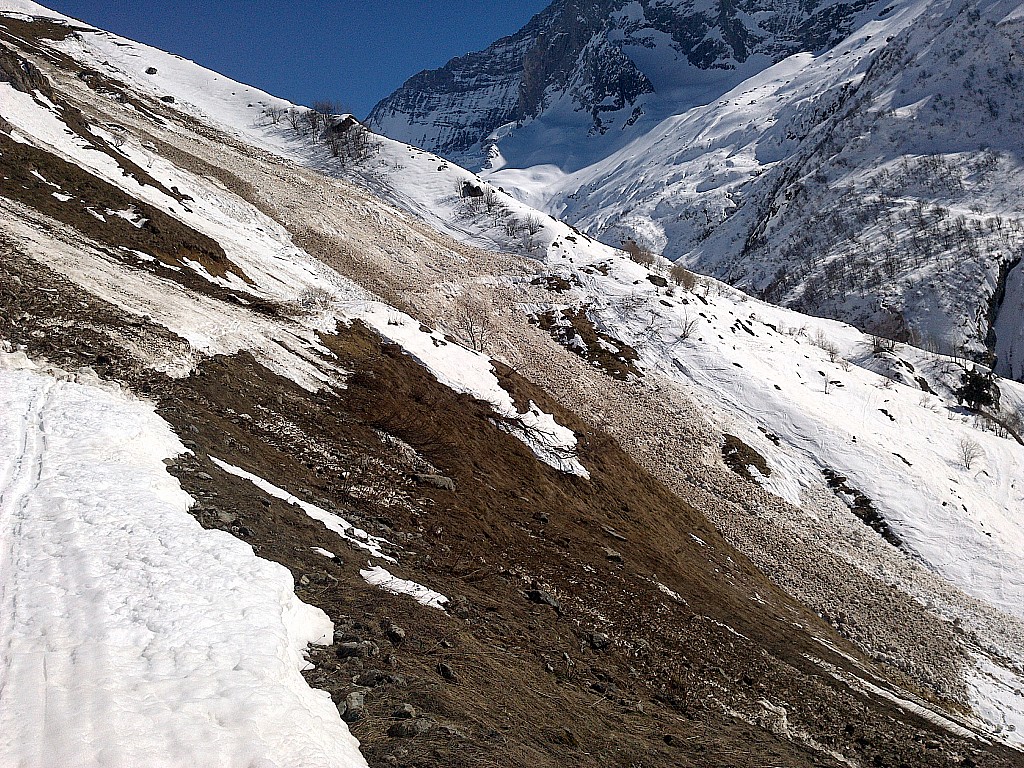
<point>533,224</point>
<point>627,307</point>
<point>313,300</point>
<point>475,205</point>
<point>350,141</point>
<point>473,321</point>
<point>491,198</point>
<point>294,119</point>
<point>688,327</point>
<point>880,344</point>
<point>638,253</point>
<point>683,277</point>
<point>826,345</point>
<point>274,114</point>
<point>968,451</point>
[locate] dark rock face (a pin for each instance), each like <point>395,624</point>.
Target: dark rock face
<point>580,49</point>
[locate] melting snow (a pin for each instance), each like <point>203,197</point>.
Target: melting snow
<point>380,577</point>
<point>354,536</point>
<point>128,634</point>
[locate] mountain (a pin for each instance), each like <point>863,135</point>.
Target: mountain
<point>609,68</point>
<point>309,436</point>
<point>846,175</point>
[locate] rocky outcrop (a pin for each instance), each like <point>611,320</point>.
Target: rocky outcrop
<point>601,56</point>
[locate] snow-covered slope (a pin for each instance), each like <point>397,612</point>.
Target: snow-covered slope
<point>194,260</point>
<point>108,658</point>
<point>584,77</point>
<point>871,174</point>
<point>830,409</point>
<point>857,184</point>
<point>891,424</point>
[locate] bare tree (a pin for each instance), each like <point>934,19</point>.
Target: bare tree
<point>688,327</point>
<point>473,320</point>
<point>969,451</point>
<point>314,123</point>
<point>683,277</point>
<point>826,345</point>
<point>534,224</point>
<point>294,118</point>
<point>275,114</point>
<point>328,108</point>
<point>350,141</point>
<point>638,253</point>
<point>491,199</point>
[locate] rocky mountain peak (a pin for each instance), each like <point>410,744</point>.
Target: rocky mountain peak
<point>598,60</point>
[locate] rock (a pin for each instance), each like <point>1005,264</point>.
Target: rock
<point>599,640</point>
<point>304,580</point>
<point>357,649</point>
<point>458,606</point>
<point>205,476</point>
<point>405,729</point>
<point>404,712</point>
<point>167,99</point>
<point>369,679</point>
<point>612,555</point>
<point>542,597</point>
<point>355,707</point>
<point>435,481</point>
<point>445,671</point>
<point>774,718</point>
<point>226,518</point>
<point>658,280</point>
<point>151,71</point>
<point>395,634</point>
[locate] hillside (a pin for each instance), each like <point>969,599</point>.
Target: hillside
<point>869,175</point>
<point>314,435</point>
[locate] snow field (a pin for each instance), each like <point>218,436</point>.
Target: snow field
<point>129,635</point>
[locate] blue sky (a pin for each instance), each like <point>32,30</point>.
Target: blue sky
<point>352,51</point>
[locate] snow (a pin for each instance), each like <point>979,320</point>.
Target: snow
<point>751,365</point>
<point>381,577</point>
<point>753,368</point>
<point>995,696</point>
<point>904,700</point>
<point>128,634</point>
<point>28,8</point>
<point>758,370</point>
<point>357,537</point>
<point>466,371</point>
<point>277,269</point>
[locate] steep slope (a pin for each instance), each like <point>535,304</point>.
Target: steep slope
<point>840,418</point>
<point>857,185</point>
<point>871,177</point>
<point>593,74</point>
<point>592,614</point>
